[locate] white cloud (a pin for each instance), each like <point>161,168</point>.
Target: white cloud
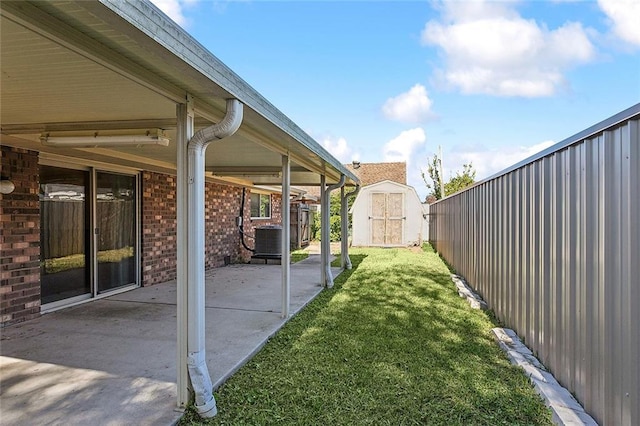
<point>408,146</point>
<point>487,162</point>
<point>413,106</point>
<point>174,9</point>
<point>340,149</point>
<point>404,146</point>
<point>488,48</point>
<point>625,18</point>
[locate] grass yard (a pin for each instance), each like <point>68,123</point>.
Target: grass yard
<point>390,344</point>
<point>299,255</point>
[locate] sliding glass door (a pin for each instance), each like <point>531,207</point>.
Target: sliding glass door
<point>64,234</point>
<point>88,233</point>
<point>115,230</point>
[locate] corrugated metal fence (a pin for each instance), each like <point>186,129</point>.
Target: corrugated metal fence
<point>552,244</point>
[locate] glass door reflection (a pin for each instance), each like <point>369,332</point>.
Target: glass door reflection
<point>64,234</point>
<point>115,230</point>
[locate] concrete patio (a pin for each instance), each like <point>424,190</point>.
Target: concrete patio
<point>113,361</point>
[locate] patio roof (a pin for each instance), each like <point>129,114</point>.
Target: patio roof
<point>111,67</point>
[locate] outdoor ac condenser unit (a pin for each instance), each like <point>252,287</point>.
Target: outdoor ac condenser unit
<point>268,241</point>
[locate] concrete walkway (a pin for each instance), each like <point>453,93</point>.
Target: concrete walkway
<point>113,361</point>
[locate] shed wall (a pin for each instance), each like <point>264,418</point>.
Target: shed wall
<point>553,247</point>
<point>413,224</point>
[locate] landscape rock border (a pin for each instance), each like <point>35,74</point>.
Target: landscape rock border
<point>565,409</point>
<point>465,291</point>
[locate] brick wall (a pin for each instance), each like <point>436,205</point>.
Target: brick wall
<point>159,222</point>
<point>222,239</point>
<point>19,237</point>
<point>20,231</point>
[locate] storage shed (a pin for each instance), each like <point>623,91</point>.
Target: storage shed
<point>388,214</point>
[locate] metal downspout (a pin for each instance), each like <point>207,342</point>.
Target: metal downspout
<point>326,249</point>
<point>344,237</point>
<point>205,403</point>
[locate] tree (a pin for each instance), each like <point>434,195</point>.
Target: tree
<point>457,183</point>
<point>433,169</point>
<point>461,180</point>
<point>335,224</point>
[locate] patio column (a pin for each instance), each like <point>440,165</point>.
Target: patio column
<point>344,230</point>
<point>344,237</point>
<point>323,227</point>
<point>326,237</point>
<point>184,131</point>
<point>286,236</point>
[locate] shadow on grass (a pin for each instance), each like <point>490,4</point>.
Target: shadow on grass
<point>391,343</point>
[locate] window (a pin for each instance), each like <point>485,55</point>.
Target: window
<point>260,206</point>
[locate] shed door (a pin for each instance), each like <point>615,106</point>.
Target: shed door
<point>387,217</point>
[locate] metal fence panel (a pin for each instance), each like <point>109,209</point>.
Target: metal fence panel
<point>553,246</point>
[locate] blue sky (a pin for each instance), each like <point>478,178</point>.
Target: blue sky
<point>490,82</point>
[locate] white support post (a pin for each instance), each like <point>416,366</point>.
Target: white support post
<point>344,212</point>
<point>286,236</point>
<point>326,216</point>
<point>323,227</point>
<point>344,228</point>
<point>184,131</point>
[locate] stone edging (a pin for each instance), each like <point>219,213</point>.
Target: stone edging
<point>564,407</point>
<point>465,291</point>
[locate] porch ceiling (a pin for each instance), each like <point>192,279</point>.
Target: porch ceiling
<point>81,67</point>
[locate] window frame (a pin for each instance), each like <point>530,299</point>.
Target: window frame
<point>260,198</point>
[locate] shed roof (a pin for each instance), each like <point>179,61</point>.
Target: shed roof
<point>369,188</point>
<point>370,173</point>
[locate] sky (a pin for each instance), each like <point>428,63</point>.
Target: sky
<point>487,82</point>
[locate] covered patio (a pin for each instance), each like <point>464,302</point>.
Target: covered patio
<point>115,92</point>
<point>113,360</point>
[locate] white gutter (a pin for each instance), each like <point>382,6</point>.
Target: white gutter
<point>205,403</point>
<point>147,18</point>
<point>345,261</point>
<point>326,244</point>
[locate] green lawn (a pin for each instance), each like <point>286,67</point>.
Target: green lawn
<point>298,255</point>
<point>390,344</point>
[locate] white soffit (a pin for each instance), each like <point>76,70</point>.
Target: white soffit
<point>125,65</point>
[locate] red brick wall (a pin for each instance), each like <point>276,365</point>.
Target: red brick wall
<point>222,239</point>
<point>159,222</point>
<point>20,231</point>
<point>19,237</point>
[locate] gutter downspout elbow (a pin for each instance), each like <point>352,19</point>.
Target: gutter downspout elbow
<point>227,127</point>
<point>326,238</point>
<point>346,260</point>
<point>205,403</point>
